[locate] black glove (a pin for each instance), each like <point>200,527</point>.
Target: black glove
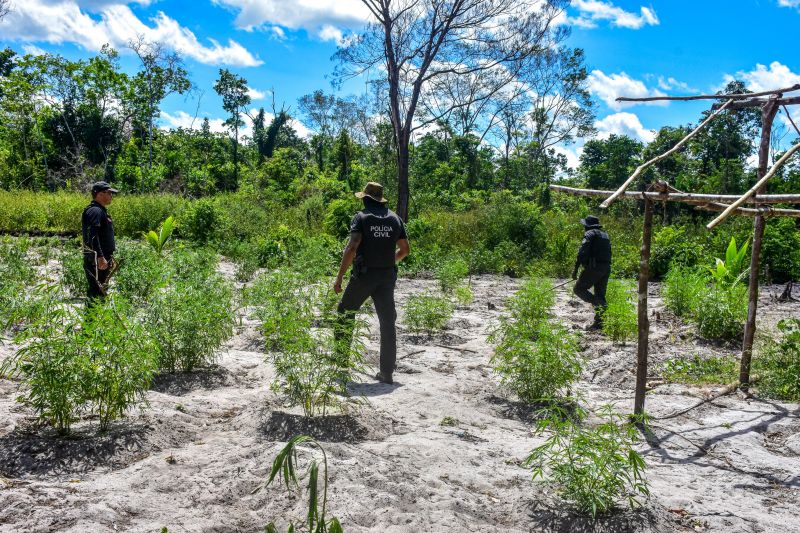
<point>575,274</point>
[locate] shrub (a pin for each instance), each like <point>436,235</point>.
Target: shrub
<point>780,252</point>
<point>778,366</point>
<point>561,250</point>
<point>536,362</point>
<point>593,467</point>
<point>200,221</point>
<point>450,274</point>
<point>427,313</point>
<point>190,320</point>
<point>682,290</point>
<point>672,248</point>
<point>532,302</point>
<point>280,307</point>
<point>141,272</point>
<point>463,295</point>
<point>722,311</point>
<point>70,363</point>
<point>338,216</point>
<point>619,318</point>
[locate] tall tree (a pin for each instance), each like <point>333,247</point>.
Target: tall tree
<point>162,73</point>
<point>417,42</point>
<point>235,99</point>
<point>605,163</point>
<point>5,8</point>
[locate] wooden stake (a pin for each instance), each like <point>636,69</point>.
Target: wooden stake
<point>643,319</point>
<point>673,195</point>
<point>641,168</point>
<point>737,96</point>
<point>761,182</point>
<point>767,116</point>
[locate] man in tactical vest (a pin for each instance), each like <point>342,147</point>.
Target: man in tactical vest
<point>377,243</point>
<point>594,256</point>
<point>98,240</point>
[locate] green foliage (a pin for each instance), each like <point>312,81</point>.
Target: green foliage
<point>732,269</point>
<point>450,274</point>
<point>72,363</point>
<point>312,364</point>
<point>199,222</point>
<point>536,358</point>
<point>73,278</point>
<point>427,313</point>
<point>592,467</point>
<point>780,250</point>
<point>722,311</point>
<point>561,249</point>
<point>338,216</point>
<point>142,271</point>
<point>463,295</point>
<point>682,290</point>
<point>158,240</point>
<point>284,467</point>
<point>778,364</point>
<point>619,318</point>
<point>190,320</point>
<point>673,247</point>
<point>699,370</point>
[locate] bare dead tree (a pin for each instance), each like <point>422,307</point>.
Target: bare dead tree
<point>5,8</point>
<point>418,42</point>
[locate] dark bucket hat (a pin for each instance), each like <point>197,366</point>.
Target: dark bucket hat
<point>590,220</point>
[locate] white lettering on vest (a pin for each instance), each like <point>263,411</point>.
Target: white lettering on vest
<point>381,231</point>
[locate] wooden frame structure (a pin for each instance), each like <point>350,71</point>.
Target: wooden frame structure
<point>727,204</point>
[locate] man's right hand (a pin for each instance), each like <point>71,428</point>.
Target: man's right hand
<point>574,274</point>
<point>337,286</point>
<point>102,264</point>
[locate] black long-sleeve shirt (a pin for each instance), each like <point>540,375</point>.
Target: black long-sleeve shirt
<point>98,230</point>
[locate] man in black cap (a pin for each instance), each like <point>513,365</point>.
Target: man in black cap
<point>377,243</point>
<point>98,240</point>
<point>594,256</point>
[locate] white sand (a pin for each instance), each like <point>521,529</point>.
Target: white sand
<point>191,461</point>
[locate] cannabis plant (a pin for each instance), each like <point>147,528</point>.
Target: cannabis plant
<point>427,313</point>
<point>778,364</point>
<point>73,278</point>
<point>619,318</point>
<point>683,289</point>
<point>722,311</point>
<point>285,467</point>
<point>451,274</point>
<point>592,467</point>
<point>533,301</point>
<point>141,273</point>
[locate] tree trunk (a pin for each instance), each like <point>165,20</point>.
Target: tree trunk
<point>402,175</point>
<point>643,319</point>
<point>767,116</point>
<point>235,183</point>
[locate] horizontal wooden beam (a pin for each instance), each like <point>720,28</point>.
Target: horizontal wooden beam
<point>758,102</point>
<point>749,211</point>
<point>795,87</point>
<point>682,197</point>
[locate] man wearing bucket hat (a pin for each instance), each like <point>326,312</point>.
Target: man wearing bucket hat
<point>377,243</point>
<point>98,240</point>
<point>594,256</point>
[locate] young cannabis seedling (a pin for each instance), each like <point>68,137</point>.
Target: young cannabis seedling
<point>285,467</point>
<point>619,318</point>
<point>427,313</point>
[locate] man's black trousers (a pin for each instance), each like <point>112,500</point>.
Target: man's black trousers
<point>596,278</point>
<point>94,277</point>
<point>377,283</point>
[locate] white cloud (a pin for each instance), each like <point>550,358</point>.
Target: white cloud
<point>33,50</point>
<point>671,84</point>
<point>65,21</point>
<point>182,119</point>
<point>609,87</point>
<point>789,3</point>
<point>591,11</point>
<point>255,94</point>
<point>623,124</point>
<point>311,15</point>
<point>777,76</point>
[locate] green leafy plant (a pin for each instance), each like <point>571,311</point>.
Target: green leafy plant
<point>73,278</point>
<point>778,364</point>
<point>722,311</point>
<point>463,295</point>
<point>592,466</point>
<point>732,269</point>
<point>532,303</point>
<point>158,240</point>
<point>285,467</point>
<point>451,274</point>
<point>141,274</point>
<point>682,290</point>
<point>700,370</point>
<point>427,313</point>
<point>619,318</point>
<point>190,321</point>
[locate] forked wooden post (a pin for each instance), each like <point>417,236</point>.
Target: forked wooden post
<point>767,116</point>
<point>643,344</point>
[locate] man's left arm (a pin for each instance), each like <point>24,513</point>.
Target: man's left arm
<point>347,259</point>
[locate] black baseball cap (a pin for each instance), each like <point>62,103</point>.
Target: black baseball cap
<point>101,186</point>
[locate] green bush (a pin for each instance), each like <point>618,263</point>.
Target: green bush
<point>427,313</point>
<point>463,295</point>
<point>780,250</point>
<point>338,216</point>
<point>682,290</point>
<point>200,221</point>
<point>70,363</point>
<point>778,364</point>
<point>532,303</point>
<point>592,467</point>
<point>191,320</point>
<point>619,318</point>
<point>450,274</point>
<point>722,311</point>
<point>537,362</point>
<point>672,248</point>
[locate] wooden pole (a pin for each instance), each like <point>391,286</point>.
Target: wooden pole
<point>641,168</point>
<point>767,116</point>
<point>643,320</point>
<point>683,197</point>
<point>763,177</point>
<point>736,96</point>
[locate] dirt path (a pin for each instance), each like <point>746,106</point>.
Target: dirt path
<point>191,461</point>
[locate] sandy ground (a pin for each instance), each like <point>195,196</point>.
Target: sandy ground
<point>192,460</point>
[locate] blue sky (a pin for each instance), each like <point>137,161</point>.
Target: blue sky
<point>632,48</point>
